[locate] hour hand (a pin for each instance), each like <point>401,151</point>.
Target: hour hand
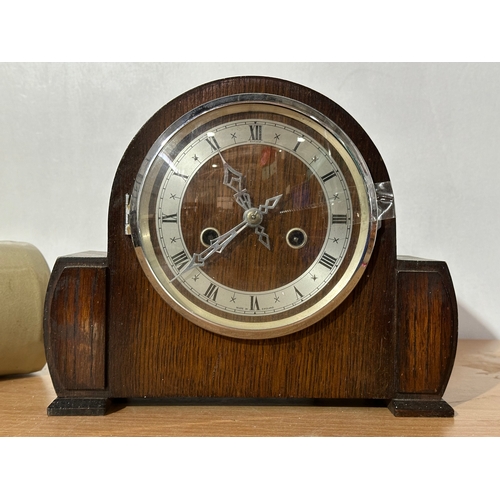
<point>243,199</point>
<point>235,181</point>
<point>264,209</point>
<point>232,178</point>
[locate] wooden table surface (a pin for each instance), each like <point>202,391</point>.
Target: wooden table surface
<point>473,391</point>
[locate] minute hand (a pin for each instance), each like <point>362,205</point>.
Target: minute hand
<point>251,218</point>
<point>216,246</point>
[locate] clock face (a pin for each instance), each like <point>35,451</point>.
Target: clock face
<point>253,216</point>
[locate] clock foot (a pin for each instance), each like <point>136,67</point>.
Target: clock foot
<point>420,408</point>
<point>78,406</point>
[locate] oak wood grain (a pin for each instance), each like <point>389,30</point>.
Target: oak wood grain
<point>75,322</point>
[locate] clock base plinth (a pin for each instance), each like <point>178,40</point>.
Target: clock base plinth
<point>78,407</point>
<point>421,408</point>
<point>72,406</point>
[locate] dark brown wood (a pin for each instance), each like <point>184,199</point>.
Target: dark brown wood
<point>427,323</point>
<point>420,408</point>
<point>75,323</point>
<point>365,349</point>
<point>336,358</point>
<point>91,407</point>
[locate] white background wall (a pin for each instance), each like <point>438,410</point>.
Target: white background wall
<point>64,128</point>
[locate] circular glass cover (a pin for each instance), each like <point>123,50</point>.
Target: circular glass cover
<point>253,216</point>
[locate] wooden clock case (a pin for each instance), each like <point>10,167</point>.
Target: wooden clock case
<point>109,337</point>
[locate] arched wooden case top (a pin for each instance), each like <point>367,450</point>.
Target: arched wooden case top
<point>110,335</point>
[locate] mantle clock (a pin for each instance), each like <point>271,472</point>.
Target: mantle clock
<point>251,256</point>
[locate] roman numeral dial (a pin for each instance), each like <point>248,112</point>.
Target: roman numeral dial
<point>239,166</point>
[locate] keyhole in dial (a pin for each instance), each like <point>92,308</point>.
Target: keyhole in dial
<point>208,235</point>
<point>296,237</point>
